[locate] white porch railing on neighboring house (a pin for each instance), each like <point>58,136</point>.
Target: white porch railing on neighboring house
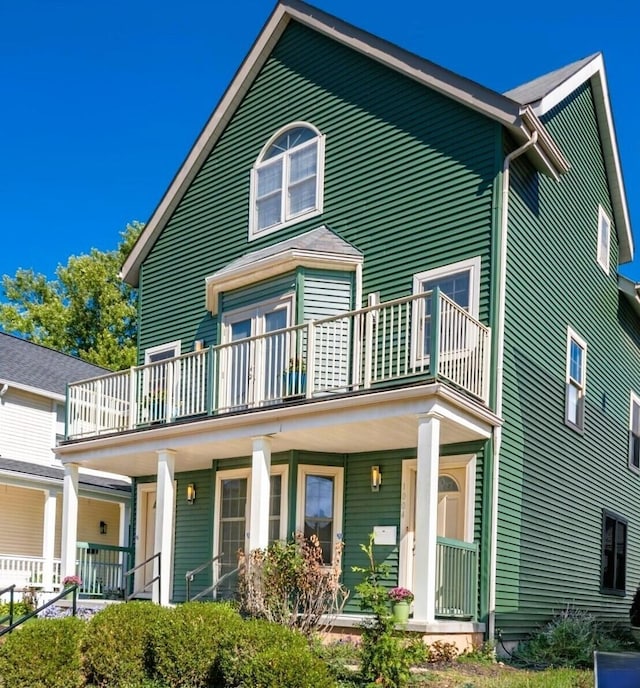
<point>27,572</point>
<point>426,336</point>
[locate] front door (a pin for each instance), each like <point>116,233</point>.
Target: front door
<point>456,486</point>
<point>145,546</point>
<point>255,362</point>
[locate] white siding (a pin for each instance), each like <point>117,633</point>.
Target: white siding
<point>27,427</point>
<point>21,521</point>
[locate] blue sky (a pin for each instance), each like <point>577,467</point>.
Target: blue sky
<point>101,101</point>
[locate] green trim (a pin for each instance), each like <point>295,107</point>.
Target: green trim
<point>212,388</point>
<point>299,295</point>
<point>496,240</point>
<point>292,492</point>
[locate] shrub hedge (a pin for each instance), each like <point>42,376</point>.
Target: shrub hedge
<point>186,646</point>
<point>44,653</point>
<point>117,644</point>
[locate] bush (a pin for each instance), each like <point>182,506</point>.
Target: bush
<point>117,643</point>
<point>44,653</point>
<point>568,640</point>
<point>186,645</point>
<point>265,655</point>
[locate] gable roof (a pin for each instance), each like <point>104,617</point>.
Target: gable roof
<point>545,92</point>
<point>520,121</point>
<point>39,368</point>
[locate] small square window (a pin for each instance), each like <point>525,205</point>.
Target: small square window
<point>604,240</point>
<point>575,380</point>
<point>634,432</point>
<point>614,554</point>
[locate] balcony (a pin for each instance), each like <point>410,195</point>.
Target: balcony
<point>400,342</point>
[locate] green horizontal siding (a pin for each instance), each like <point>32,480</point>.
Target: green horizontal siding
<point>408,181</point>
<point>326,293</point>
<point>555,482</point>
<point>259,292</point>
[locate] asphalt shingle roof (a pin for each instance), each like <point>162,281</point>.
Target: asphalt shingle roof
<point>24,467</point>
<point>38,366</point>
<point>537,89</point>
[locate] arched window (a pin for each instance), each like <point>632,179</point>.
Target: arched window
<point>286,183</point>
<point>447,484</point>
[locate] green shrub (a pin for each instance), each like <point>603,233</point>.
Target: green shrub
<point>265,655</point>
<point>44,653</point>
<point>568,640</point>
<point>186,645</point>
<point>117,643</point>
<point>19,609</point>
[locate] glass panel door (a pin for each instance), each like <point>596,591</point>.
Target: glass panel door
<point>240,364</point>
<point>274,353</point>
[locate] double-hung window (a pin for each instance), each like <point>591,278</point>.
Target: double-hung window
<point>160,382</point>
<point>634,432</point>
<point>286,183</point>
<point>576,384</point>
<point>614,554</point>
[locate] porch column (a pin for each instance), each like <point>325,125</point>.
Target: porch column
<point>427,467</point>
<point>48,539</point>
<point>260,490</point>
<point>69,520</point>
<point>165,508</point>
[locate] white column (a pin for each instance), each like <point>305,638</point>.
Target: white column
<point>165,508</point>
<point>426,530</point>
<point>260,490</point>
<point>69,520</point>
<point>48,539</point>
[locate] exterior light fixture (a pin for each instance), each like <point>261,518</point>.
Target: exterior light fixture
<point>191,493</point>
<point>103,528</point>
<point>376,478</point>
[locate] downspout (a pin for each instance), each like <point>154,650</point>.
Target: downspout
<point>500,325</point>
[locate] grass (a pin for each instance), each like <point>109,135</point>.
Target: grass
<point>481,675</point>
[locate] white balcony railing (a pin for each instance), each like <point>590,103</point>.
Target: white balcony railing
<point>27,572</point>
<point>413,338</point>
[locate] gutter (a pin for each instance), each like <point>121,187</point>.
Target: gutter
<point>500,327</point>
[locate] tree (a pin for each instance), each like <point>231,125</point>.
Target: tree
<point>88,311</point>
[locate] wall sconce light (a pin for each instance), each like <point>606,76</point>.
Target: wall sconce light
<point>191,493</point>
<point>376,478</point>
<point>103,528</point>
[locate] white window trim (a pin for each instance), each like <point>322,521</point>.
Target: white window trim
<point>572,335</point>
<point>604,260</point>
<point>254,232</point>
<point>336,472</point>
<point>175,346</point>
<point>230,474</point>
<point>472,265</point>
<point>634,399</point>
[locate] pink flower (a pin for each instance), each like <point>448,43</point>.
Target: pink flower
<point>71,580</point>
<point>400,595</point>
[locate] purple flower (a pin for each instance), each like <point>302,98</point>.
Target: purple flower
<point>400,595</point>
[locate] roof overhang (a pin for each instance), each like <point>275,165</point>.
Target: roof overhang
<point>631,291</point>
<point>479,98</point>
<point>595,72</point>
<point>32,390</point>
<point>280,263</point>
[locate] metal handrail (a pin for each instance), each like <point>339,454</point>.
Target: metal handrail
<point>74,608</point>
<point>190,575</point>
<point>146,584</point>
<point>213,587</point>
<point>11,590</point>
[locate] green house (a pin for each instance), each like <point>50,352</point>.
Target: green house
<point>380,298</point>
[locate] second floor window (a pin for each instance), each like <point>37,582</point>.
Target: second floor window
<point>575,380</point>
<point>634,433</point>
<point>286,183</point>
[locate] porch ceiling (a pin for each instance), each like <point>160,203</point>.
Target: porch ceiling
<point>343,424</point>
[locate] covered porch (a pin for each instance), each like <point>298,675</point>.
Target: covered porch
<point>412,433</point>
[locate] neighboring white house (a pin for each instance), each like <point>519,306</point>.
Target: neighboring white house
<point>33,381</point>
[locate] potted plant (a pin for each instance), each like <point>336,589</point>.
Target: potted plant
<point>401,599</point>
<point>295,377</point>
<point>634,616</point>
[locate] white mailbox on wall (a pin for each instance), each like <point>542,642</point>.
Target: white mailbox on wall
<point>385,535</point>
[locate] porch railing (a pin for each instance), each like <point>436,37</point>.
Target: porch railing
<point>102,569</point>
<point>456,579</point>
<point>26,571</point>
<point>417,337</point>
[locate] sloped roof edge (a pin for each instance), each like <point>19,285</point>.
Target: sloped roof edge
<point>492,104</point>
<point>549,90</point>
